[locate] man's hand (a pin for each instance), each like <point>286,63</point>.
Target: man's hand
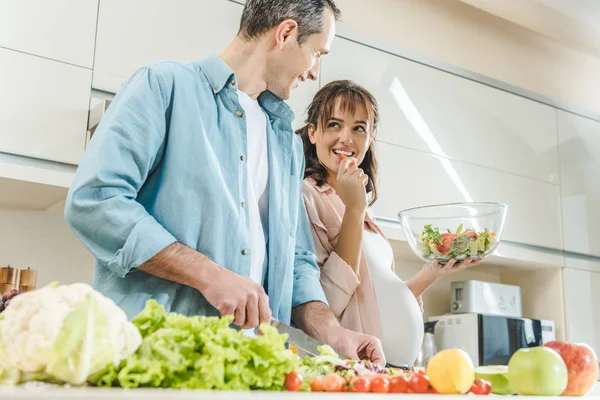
<point>357,346</point>
<point>228,292</point>
<point>317,320</point>
<point>233,294</point>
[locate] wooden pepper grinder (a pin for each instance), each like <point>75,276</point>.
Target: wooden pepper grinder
<point>8,279</point>
<point>27,280</point>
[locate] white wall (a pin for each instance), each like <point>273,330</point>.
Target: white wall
<point>44,241</point>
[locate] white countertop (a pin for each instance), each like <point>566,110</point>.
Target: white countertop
<point>35,392</point>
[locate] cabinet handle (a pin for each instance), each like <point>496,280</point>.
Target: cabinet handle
<point>94,116</point>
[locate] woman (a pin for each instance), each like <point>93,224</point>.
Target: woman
<point>356,260</point>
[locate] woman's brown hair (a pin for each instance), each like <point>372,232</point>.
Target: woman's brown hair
<point>350,96</point>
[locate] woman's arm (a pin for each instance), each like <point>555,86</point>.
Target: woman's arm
<point>349,243</point>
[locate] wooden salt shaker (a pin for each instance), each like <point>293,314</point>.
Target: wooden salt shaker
<point>27,280</point>
<point>8,279</point>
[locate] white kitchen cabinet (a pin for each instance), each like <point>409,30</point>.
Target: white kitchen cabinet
<point>135,33</point>
<point>43,107</point>
<point>410,178</point>
<point>579,152</point>
<point>63,30</point>
<point>434,111</point>
<point>582,305</point>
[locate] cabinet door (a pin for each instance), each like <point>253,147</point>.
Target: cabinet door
<point>63,30</point>
<point>43,107</point>
<point>579,152</point>
<point>411,178</point>
<point>135,33</point>
<point>582,306</point>
<point>434,111</point>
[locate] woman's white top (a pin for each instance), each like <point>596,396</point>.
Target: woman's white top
<point>399,313</point>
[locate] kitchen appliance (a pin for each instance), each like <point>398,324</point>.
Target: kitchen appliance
<point>490,339</point>
<point>486,298</point>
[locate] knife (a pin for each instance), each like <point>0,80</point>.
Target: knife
<point>298,341</point>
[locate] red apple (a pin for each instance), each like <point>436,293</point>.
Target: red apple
<point>582,365</point>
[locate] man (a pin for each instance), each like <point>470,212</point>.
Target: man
<point>190,190</point>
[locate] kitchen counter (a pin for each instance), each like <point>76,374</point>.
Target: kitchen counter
<point>35,392</point>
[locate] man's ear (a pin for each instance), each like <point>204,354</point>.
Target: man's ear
<point>286,31</point>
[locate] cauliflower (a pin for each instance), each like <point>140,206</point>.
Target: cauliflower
<point>63,334</point>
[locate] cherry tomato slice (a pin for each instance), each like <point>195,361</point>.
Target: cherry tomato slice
<point>316,384</point>
<point>399,384</point>
<point>419,383</point>
<point>380,384</point>
<point>361,385</point>
<point>293,381</point>
<point>481,387</point>
<point>333,383</point>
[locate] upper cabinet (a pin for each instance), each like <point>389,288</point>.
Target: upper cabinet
<point>43,107</point>
<point>135,33</point>
<point>411,178</point>
<point>62,30</point>
<point>579,152</point>
<point>440,113</point>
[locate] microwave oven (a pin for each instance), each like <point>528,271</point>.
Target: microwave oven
<point>489,339</point>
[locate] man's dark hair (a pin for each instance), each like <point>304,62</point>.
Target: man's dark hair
<point>261,15</point>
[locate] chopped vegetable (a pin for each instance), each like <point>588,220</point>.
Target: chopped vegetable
<point>459,244</point>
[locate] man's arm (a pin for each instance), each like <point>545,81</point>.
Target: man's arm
<point>102,209</point>
<point>317,320</point>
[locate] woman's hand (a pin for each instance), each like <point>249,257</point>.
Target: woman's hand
<point>438,270</point>
<point>432,272</point>
<point>351,182</point>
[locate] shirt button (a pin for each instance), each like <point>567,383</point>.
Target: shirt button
<point>243,205</point>
<point>244,252</point>
<point>239,113</point>
<point>217,89</point>
<point>242,158</point>
<point>233,82</point>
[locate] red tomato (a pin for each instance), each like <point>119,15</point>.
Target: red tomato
<point>333,383</point>
<point>481,386</point>
<point>293,381</point>
<point>399,384</point>
<point>361,385</point>
<point>316,384</point>
<point>470,233</point>
<point>447,239</point>
<point>380,384</point>
<point>419,383</point>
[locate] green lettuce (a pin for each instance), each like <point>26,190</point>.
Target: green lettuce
<point>200,352</point>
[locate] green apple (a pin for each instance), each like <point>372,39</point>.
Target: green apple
<point>537,371</point>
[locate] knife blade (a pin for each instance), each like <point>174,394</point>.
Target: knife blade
<point>299,341</point>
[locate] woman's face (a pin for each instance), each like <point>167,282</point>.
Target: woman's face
<point>344,134</point>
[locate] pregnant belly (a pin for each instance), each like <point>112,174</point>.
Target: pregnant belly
<point>401,319</point>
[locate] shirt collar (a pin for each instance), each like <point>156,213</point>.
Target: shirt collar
<point>323,188</point>
<point>219,75</point>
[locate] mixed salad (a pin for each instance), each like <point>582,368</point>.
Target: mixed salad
<point>459,244</point>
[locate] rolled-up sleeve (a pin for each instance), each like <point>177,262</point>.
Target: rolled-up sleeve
<point>101,206</point>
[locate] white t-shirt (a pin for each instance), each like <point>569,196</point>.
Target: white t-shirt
<point>399,312</point>
<point>258,185</point>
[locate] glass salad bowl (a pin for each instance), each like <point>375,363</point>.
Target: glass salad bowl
<point>456,230</point>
